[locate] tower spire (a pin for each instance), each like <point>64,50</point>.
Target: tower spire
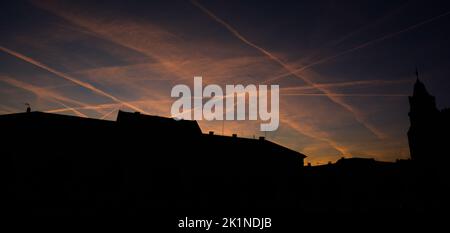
<point>417,74</point>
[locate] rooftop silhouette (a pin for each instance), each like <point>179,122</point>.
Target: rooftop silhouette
<point>59,164</point>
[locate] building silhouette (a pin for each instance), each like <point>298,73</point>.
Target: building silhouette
<point>66,165</point>
<point>73,165</point>
<point>428,135</point>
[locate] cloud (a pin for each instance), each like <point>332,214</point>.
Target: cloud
<point>68,78</point>
<point>293,72</point>
<point>45,93</point>
<point>361,46</point>
<point>348,84</point>
<point>311,123</point>
<point>345,95</point>
<point>6,109</point>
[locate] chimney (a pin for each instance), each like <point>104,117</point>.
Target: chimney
<point>211,132</point>
<point>234,135</point>
<point>28,107</point>
<point>262,138</point>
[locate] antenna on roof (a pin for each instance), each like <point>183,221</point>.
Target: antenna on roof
<point>28,107</point>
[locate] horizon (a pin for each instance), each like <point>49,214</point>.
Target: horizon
<point>345,71</point>
<point>204,133</point>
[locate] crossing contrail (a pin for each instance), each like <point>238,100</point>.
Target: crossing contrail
<point>41,92</point>
<point>107,114</point>
<point>290,70</point>
<point>361,46</point>
<point>72,109</point>
<point>373,82</point>
<point>69,78</point>
<point>346,95</point>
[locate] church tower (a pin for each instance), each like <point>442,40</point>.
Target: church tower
<point>424,119</point>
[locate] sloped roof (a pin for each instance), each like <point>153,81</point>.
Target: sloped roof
<point>155,124</point>
<point>158,123</point>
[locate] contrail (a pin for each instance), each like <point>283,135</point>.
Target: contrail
<point>314,133</point>
<point>99,107</point>
<point>359,118</point>
<point>90,107</point>
<point>41,92</point>
<point>68,108</point>
<point>347,84</point>
<point>238,35</point>
<point>107,114</point>
<point>361,46</point>
<point>346,95</point>
<point>69,78</point>
<point>363,28</point>
<point>7,110</point>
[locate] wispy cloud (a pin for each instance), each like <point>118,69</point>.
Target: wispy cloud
<point>354,33</point>
<point>141,59</point>
<point>360,46</point>
<point>6,109</point>
<point>68,78</point>
<point>45,93</point>
<point>291,71</point>
<point>345,95</point>
<point>315,133</point>
<point>348,84</point>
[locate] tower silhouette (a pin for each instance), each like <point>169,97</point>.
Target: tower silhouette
<point>428,126</point>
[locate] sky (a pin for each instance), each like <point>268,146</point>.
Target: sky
<point>345,68</point>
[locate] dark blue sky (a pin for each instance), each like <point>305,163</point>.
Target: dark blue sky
<point>91,58</point>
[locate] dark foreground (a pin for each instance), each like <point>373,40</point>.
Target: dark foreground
<point>61,165</point>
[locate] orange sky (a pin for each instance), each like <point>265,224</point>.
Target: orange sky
<point>343,80</point>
